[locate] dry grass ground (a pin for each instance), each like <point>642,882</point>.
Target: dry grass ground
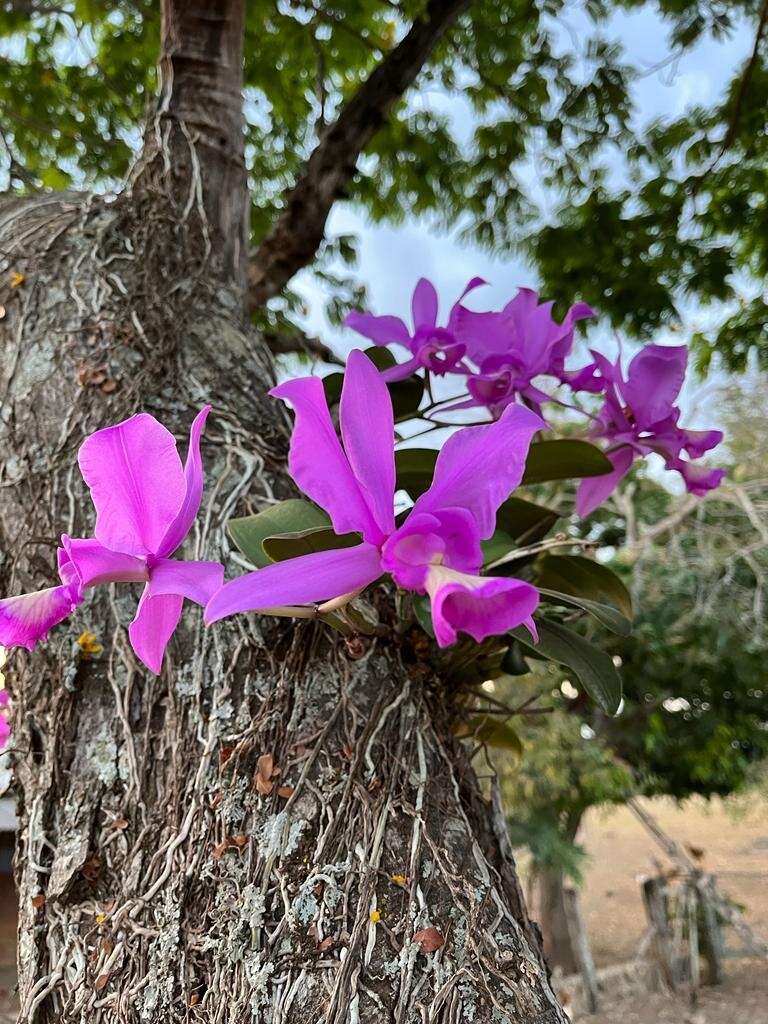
<point>735,848</point>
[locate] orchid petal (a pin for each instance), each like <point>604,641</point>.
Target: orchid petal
<point>401,370</point>
<point>478,605</point>
<point>136,482</point>
<point>593,491</point>
<point>26,619</point>
<point>368,431</point>
<point>654,381</point>
<point>424,304</point>
<point>5,731</point>
<point>698,479</point>
<point>382,330</point>
<point>153,626</point>
<point>699,442</point>
<point>307,579</point>
<point>317,462</point>
<point>479,467</point>
<point>448,537</point>
<point>193,482</point>
<point>197,581</point>
<point>95,564</point>
<point>483,334</point>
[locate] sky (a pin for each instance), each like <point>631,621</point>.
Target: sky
<point>392,258</point>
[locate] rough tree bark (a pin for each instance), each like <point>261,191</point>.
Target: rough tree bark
<point>155,882</point>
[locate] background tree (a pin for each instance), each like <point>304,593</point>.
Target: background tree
<point>694,720</point>
<point>646,218</point>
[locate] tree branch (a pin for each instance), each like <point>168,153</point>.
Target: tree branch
<point>299,229</point>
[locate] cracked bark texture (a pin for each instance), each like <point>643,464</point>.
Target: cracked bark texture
<point>156,882</point>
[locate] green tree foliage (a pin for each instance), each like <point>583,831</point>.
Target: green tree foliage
<point>649,213</point>
<point>694,720</point>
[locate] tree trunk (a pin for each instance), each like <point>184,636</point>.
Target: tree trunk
<point>558,948</point>
<point>552,911</point>
<point>155,882</point>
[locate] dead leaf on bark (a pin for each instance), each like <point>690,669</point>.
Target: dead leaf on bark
<point>428,940</point>
<point>224,755</point>
<point>285,792</point>
<point>326,944</point>
<point>120,823</point>
<point>220,849</point>
<point>240,841</point>
<point>265,770</point>
<point>101,982</point>
<point>38,901</point>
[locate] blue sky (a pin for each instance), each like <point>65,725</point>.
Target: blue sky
<point>392,258</point>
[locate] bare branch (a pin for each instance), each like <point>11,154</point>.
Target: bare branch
<point>298,231</point>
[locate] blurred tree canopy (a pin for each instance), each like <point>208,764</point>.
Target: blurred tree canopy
<point>695,718</point>
<point>513,104</point>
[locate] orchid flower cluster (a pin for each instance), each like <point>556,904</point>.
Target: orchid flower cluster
<point>146,502</point>
<point>503,356</point>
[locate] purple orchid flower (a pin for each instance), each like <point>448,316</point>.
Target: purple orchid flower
<point>513,347</point>
<point>437,549</point>
<point>5,728</point>
<point>145,506</point>
<point>640,416</point>
<point>435,348</point>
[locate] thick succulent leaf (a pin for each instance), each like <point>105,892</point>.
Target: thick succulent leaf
<point>585,583</point>
<point>288,517</point>
<point>592,666</point>
<point>304,542</point>
<point>564,459</point>
<point>414,468</point>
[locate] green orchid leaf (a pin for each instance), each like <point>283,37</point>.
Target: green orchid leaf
<point>592,666</point>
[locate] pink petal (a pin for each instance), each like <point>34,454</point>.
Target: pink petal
<point>368,432</point>
<point>424,304</point>
<point>699,442</point>
<point>304,580</point>
<point>197,581</point>
<point>383,330</point>
<point>655,377</point>
<point>594,490</point>
<point>136,481</point>
<point>193,481</point>
<point>26,619</point>
<point>450,536</point>
<point>5,731</point>
<point>698,479</point>
<point>318,464</point>
<point>94,564</point>
<point>156,619</point>
<point>483,334</point>
<point>401,370</point>
<point>479,605</point>
<point>479,467</point>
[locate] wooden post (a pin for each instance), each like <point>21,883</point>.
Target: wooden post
<point>712,933</point>
<point>691,896</point>
<point>581,949</point>
<point>655,902</point>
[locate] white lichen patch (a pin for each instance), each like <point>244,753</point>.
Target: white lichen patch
<point>257,972</point>
<point>278,837</point>
<point>101,754</point>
